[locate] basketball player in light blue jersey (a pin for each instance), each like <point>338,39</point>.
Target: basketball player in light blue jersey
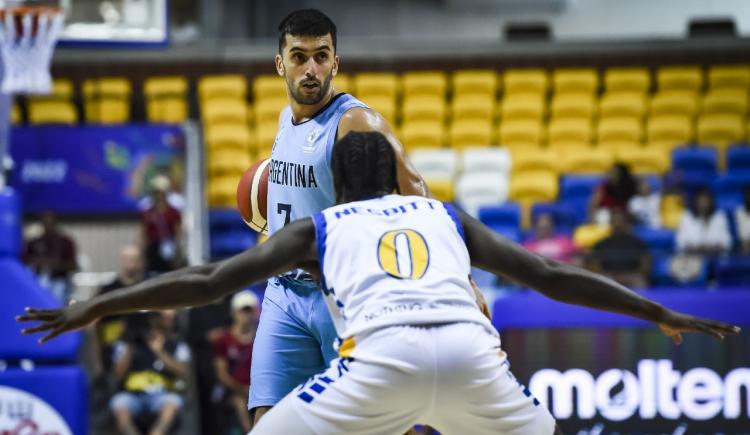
<point>295,336</point>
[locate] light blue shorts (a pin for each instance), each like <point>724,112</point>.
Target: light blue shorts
<point>138,403</point>
<point>294,341</point>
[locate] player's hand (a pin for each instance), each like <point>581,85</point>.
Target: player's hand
<point>58,321</point>
<point>481,301</point>
<point>673,324</point>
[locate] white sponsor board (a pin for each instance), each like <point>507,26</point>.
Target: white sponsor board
<point>25,413</point>
<point>655,391</point>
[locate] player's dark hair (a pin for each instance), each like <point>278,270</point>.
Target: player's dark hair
<point>363,165</point>
<point>306,22</point>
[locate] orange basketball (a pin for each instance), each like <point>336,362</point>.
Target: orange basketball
<point>252,196</point>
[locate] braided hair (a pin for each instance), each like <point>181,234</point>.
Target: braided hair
<point>363,165</point>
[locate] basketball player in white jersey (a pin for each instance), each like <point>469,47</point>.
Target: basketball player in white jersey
<point>415,347</point>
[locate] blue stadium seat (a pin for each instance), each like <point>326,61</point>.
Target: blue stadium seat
<point>660,241</point>
<point>224,218</point>
<point>576,192</point>
<point>729,189</point>
<point>738,158</point>
<point>504,219</point>
<point>227,243</point>
<point>564,215</point>
<point>733,272</point>
<point>703,160</point>
<point>661,275</point>
<point>654,181</point>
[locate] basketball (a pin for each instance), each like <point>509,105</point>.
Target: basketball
<point>252,194</point>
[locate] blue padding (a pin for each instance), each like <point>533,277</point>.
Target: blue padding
<point>508,214</point>
<point>19,290</point>
<point>227,243</point>
<point>658,240</point>
<point>733,271</point>
<point>738,158</point>
<point>695,159</point>
<point>225,218</point>
<point>532,310</point>
<point>661,275</point>
<point>64,388</point>
<point>10,223</point>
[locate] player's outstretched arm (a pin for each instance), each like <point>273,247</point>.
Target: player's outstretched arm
<point>361,119</point>
<point>286,250</point>
<point>573,285</point>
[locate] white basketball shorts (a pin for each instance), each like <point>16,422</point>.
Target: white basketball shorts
<point>453,377</point>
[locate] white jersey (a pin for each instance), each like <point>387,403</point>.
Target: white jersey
<point>394,260</point>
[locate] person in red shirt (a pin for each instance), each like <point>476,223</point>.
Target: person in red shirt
<point>161,226</point>
<point>233,351</point>
<point>615,192</point>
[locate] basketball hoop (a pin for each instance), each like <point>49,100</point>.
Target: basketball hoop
<point>27,39</point>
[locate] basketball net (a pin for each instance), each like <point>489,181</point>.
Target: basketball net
<point>27,39</point>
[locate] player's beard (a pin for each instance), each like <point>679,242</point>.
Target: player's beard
<point>315,98</point>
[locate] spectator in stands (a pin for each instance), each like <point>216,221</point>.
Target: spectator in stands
<point>742,217</point>
<point>174,198</point>
<point>622,256</point>
<point>161,227</point>
<point>703,229</point>
<point>233,350</point>
<point>52,257</point>
<point>109,330</point>
<point>150,363</point>
<point>547,243</point>
<point>615,191</point>
<point>645,205</point>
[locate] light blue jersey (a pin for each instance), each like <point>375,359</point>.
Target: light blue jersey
<point>295,336</point>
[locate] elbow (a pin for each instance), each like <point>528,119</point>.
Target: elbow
<point>548,277</point>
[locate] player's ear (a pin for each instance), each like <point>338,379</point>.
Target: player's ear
<point>335,69</point>
<point>279,65</point>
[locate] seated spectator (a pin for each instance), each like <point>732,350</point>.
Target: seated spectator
<point>614,192</point>
<point>645,205</point>
<point>703,229</point>
<point>742,217</point>
<point>109,330</point>
<point>52,257</point>
<point>233,350</point>
<point>161,227</point>
<point>622,256</point>
<point>150,363</point>
<point>547,243</point>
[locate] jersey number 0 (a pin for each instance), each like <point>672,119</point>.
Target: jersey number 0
<point>403,254</point>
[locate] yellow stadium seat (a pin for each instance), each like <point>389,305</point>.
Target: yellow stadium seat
<point>573,106</point>
<point>720,130</point>
<point>586,236</point>
<point>627,80</point>
<point>107,110</point>
<point>422,134</point>
<point>475,82</point>
<point>581,80</point>
<point>573,130</point>
<point>15,114</point>
<point>644,160</point>
<point>430,83</point>
<point>343,83</point>
<point>533,188</point>
<point>688,78</point>
<point>616,147</point>
<point>269,86</point>
<point>533,81</point>
<point>383,104</point>
<point>619,129</point>
<point>52,112</point>
<point>228,161</point>
<point>223,136</point>
<point>522,106</point>
<point>225,110</point>
<point>729,76</point>
<point>626,104</point>
<point>269,109</point>
<point>222,191</point>
<point>169,110</point>
<point>470,132</point>
<point>521,133</point>
<point>221,86</point>
<point>669,130</point>
<point>473,106</point>
<point>367,84</point>
<point>529,160</point>
<point>728,101</point>
<point>423,108</point>
<point>674,103</point>
<point>441,189</point>
<point>109,87</point>
<point>165,86</point>
<point>671,211</point>
<point>265,135</point>
<point>591,161</point>
<point>62,89</point>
